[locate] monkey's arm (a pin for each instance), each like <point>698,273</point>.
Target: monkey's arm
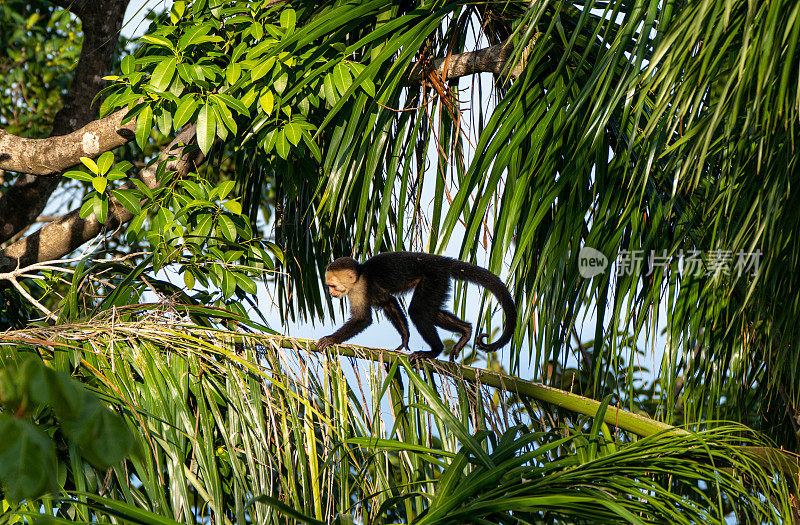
<point>395,314</point>
<point>355,325</point>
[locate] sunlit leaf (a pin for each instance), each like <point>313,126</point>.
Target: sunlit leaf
<point>206,128</point>
<point>100,184</point>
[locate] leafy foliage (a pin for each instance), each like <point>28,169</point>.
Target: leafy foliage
<point>625,129</point>
<point>246,430</point>
<point>37,402</point>
<point>39,48</point>
<point>653,128</point>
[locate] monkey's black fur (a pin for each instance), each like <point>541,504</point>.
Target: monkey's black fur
<point>390,274</point>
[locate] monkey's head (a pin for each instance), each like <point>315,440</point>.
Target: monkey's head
<point>341,275</point>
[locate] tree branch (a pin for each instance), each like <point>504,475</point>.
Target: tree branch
<point>55,154</point>
<point>493,59</point>
<point>69,232</point>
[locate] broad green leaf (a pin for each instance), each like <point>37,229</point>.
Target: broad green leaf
<point>87,207</point>
<point>204,225</point>
<point>293,133</point>
<point>246,283</point>
<point>163,73</point>
<point>228,284</point>
<point>188,279</point>
<point>288,18</point>
<point>257,30</point>
<point>100,184</point>
<point>233,206</point>
<point>53,388</point>
<point>129,200</point>
<point>103,437</point>
<point>186,73</point>
<point>206,128</point>
<point>281,144</point>
<point>195,190</point>
<point>227,228</point>
<point>224,188</point>
<point>262,69</point>
<point>177,11</point>
<point>100,208</point>
<point>355,68</point>
<point>104,163</point>
<point>224,116</point>
<point>249,97</point>
<point>234,103</point>
<point>315,151</point>
<point>128,65</point>
<point>136,223</point>
<point>116,174</point>
<point>27,459</point>
<point>164,121</point>
<point>89,163</point>
<point>304,106</point>
<point>144,125</point>
<point>267,100</point>
<point>198,72</point>
<point>185,110</point>
<point>280,83</point>
<point>233,72</point>
<point>341,78</point>
<point>123,166</point>
<point>329,90</point>
<point>193,35</point>
<point>79,175</point>
<point>368,86</point>
<point>159,41</point>
<point>146,191</point>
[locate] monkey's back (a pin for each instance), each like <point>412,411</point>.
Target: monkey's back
<point>396,272</point>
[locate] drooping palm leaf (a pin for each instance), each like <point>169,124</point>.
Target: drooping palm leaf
<point>258,428</point>
<point>649,128</point>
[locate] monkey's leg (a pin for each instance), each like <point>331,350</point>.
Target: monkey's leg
<point>395,314</point>
<point>359,321</point>
<point>429,295</point>
<point>450,322</point>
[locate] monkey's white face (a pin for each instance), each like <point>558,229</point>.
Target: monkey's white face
<point>340,282</point>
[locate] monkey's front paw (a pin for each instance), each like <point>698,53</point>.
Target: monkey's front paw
<point>325,342</point>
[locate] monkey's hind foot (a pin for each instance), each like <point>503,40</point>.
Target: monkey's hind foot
<point>325,342</point>
<point>428,354</point>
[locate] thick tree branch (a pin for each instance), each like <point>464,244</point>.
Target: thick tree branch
<point>52,155</point>
<point>101,21</point>
<point>68,233</point>
<point>493,59</point>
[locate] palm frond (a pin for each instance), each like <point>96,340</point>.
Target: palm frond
<point>234,427</point>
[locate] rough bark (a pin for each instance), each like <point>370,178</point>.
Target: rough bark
<point>101,20</point>
<point>56,154</point>
<point>493,59</point>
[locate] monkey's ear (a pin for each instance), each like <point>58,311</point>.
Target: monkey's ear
<point>348,276</point>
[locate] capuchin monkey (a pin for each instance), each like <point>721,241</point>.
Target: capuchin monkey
<point>374,284</point>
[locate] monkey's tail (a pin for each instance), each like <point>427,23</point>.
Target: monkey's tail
<point>475,274</point>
